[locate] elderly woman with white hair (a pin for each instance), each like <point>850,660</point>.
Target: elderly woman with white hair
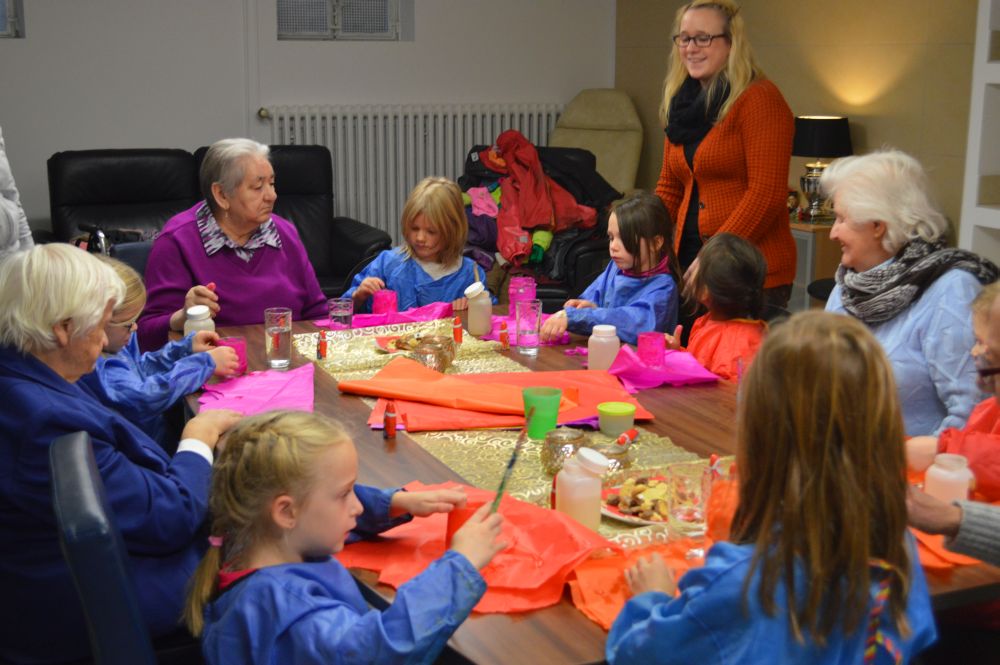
<point>897,276</point>
<point>228,252</point>
<point>55,301</point>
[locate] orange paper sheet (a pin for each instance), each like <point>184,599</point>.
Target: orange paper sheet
<point>427,400</point>
<point>544,547</point>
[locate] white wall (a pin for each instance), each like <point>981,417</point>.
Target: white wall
<point>148,73</point>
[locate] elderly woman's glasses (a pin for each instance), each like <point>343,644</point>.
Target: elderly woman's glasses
<point>701,41</point>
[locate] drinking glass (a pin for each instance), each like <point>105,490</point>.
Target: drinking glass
<point>239,345</point>
<point>341,312</point>
<point>278,336</point>
<point>545,402</point>
<point>520,288</point>
<point>651,347</point>
<point>384,302</point>
<point>528,315</point>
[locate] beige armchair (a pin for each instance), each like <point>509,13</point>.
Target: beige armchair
<point>603,121</point>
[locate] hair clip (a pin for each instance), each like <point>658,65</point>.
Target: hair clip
<point>215,541</point>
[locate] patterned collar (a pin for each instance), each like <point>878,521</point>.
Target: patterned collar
<point>214,239</point>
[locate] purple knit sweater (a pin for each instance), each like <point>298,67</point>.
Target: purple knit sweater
<point>272,278</point>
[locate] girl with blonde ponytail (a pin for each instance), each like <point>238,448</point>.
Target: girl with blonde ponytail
<point>284,499</point>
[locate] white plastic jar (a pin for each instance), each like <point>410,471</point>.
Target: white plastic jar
<point>198,317</point>
<point>578,487</point>
<point>949,478</point>
<point>602,347</point>
<point>479,321</point>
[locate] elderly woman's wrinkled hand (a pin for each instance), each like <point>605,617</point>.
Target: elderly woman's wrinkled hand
<point>203,295</point>
<point>932,515</point>
<point>209,426</point>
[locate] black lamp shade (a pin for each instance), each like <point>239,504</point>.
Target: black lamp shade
<point>821,136</point>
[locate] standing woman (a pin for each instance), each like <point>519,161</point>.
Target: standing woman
<point>729,141</point>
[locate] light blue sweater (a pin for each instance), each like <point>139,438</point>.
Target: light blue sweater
<point>929,346</point>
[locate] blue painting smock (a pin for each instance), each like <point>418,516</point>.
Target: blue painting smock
<point>158,503</point>
<point>313,613</point>
<point>144,385</point>
<point>413,286</point>
<point>706,623</point>
<point>929,345</point>
<point>631,304</point>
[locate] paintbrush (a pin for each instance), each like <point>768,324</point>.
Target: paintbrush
<point>513,460</point>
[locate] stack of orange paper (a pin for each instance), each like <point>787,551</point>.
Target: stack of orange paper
<point>428,400</point>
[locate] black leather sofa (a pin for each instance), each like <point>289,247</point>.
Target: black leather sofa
<point>131,193</point>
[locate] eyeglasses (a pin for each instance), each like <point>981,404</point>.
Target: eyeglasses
<point>701,41</point>
<point>124,324</point>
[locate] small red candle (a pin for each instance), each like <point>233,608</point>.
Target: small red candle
<point>389,421</point>
<point>456,329</point>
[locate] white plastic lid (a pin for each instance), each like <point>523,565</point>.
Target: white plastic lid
<point>591,460</point>
<point>197,312</point>
<point>604,330</point>
<point>474,289</point>
<point>951,461</point>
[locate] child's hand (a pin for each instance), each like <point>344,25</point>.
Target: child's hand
<point>422,504</point>
<point>209,426</point>
<point>227,362</point>
<point>920,451</point>
<point>580,304</point>
<point>204,340</point>
<point>477,539</point>
<point>366,288</point>
<point>459,304</point>
<point>674,341</point>
<point>650,574</point>
<point>554,327</point>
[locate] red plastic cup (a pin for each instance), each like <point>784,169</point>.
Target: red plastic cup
<point>239,345</point>
<point>459,516</point>
<point>384,302</point>
<point>651,347</point>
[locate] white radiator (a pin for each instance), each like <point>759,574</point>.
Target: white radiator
<point>381,152</point>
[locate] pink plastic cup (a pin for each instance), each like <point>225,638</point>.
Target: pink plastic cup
<point>239,345</point>
<point>651,347</point>
<point>384,302</point>
<point>459,516</point>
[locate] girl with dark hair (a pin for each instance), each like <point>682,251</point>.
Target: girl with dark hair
<point>638,290</point>
<point>729,282</point>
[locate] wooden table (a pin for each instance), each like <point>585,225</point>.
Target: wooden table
<point>698,418</point>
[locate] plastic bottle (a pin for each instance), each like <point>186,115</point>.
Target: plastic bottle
<point>578,487</point>
<point>948,478</point>
<point>602,347</point>
<point>198,318</point>
<point>480,320</point>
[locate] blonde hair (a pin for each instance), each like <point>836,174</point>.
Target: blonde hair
<point>135,290</point>
<point>886,186</point>
<point>263,456</point>
<point>439,200</point>
<point>48,284</point>
<point>983,302</point>
<point>741,67</point>
<point>822,473</point>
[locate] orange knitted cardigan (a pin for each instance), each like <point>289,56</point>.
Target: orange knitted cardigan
<point>742,171</point>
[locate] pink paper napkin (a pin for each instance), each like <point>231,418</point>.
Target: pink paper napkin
<point>257,392</point>
<point>679,369</point>
<point>494,333</point>
<point>431,312</point>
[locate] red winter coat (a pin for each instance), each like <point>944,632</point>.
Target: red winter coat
<point>530,199</point>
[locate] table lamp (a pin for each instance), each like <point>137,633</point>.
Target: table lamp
<point>819,137</point>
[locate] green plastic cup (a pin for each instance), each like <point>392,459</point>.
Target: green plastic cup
<point>546,404</point>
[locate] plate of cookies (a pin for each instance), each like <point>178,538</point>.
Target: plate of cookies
<point>638,501</point>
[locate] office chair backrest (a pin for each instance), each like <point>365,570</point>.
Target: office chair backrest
<point>96,555</point>
<point>136,254</point>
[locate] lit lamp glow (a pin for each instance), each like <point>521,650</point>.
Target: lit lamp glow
<point>819,137</point>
